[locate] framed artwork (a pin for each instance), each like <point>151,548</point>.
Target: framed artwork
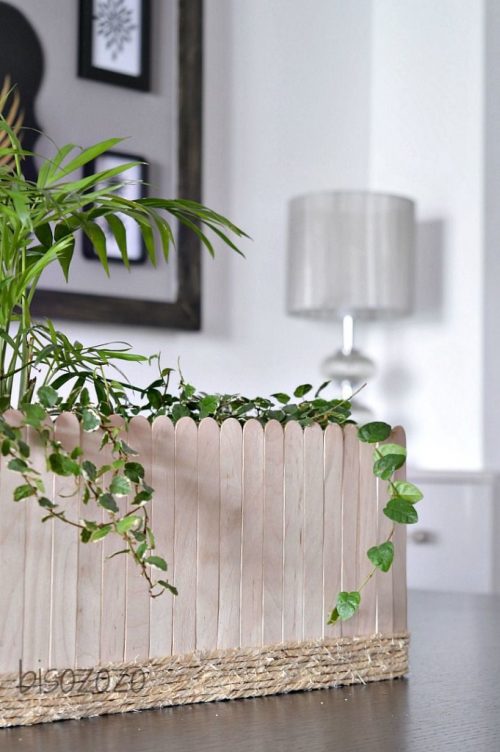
<point>167,130</point>
<point>134,188</point>
<point>114,42</point>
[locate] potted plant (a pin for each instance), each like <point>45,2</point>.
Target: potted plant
<point>194,546</point>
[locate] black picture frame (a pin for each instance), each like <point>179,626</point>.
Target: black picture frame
<point>185,312</point>
<point>140,190</point>
<point>86,65</point>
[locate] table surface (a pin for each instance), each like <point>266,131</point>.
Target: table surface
<point>451,701</point>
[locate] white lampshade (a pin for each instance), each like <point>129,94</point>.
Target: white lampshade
<point>351,253</point>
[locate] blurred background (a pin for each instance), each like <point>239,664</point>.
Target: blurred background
<point>395,96</point>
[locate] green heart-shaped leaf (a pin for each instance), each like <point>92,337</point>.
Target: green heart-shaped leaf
<point>120,486</point>
<point>382,556</point>
<point>371,433</point>
<point>347,604</point>
<point>385,467</point>
<point>386,449</point>
<point>408,491</point>
<point>399,510</point>
<point>90,420</point>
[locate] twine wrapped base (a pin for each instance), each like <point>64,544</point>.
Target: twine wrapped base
<point>27,698</point>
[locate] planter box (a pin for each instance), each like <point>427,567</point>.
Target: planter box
<point>261,528</point>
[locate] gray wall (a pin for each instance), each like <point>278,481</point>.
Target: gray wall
<point>72,109</point>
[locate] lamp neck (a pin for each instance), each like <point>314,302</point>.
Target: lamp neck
<point>347,334</point>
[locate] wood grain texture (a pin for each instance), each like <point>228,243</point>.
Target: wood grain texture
<point>162,518</point>
<point>252,534</point>
<point>384,580</point>
<point>273,533</point>
<point>261,529</point>
<point>313,619</point>
<point>207,586</point>
<point>367,537</point>
<point>186,515</point>
<point>350,520</point>
<point>399,567</point>
<point>293,576</point>
<point>65,554</point>
<point>12,558</point>
<point>332,535</point>
<point>90,563</point>
<point>38,567</point>
<point>449,703</point>
<point>231,455</point>
<point>137,603</point>
<point>114,577</point>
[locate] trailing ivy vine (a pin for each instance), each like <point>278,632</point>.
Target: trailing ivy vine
<point>102,487</point>
<point>400,508</point>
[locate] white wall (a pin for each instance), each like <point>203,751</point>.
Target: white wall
<point>286,111</point>
<point>491,270</point>
<point>427,142</point>
<point>340,94</point>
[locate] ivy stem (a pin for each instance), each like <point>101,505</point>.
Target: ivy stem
<point>95,491</point>
<point>370,575</point>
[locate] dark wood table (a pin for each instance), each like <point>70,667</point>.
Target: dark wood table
<point>451,701</point>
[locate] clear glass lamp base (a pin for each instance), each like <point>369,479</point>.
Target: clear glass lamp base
<point>350,370</point>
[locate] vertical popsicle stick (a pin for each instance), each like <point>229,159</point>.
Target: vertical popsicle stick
<point>384,580</point>
<point>399,566</point>
<point>12,561</point>
<point>231,453</point>
<point>38,567</point>
<point>113,575</point>
<point>332,535</point>
<point>367,537</point>
<point>88,613</point>
<point>137,599</point>
<point>207,589</point>
<point>350,518</point>
<point>313,532</point>
<point>186,513</point>
<point>162,517</point>
<point>293,575</point>
<point>65,555</point>
<point>252,534</point>
<point>273,533</point>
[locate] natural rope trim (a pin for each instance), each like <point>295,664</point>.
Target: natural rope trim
<point>29,697</point>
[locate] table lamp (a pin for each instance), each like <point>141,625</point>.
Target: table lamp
<point>351,257</point>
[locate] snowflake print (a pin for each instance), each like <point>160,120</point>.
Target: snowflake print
<point>114,23</point>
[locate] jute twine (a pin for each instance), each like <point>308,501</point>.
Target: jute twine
<point>204,677</point>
